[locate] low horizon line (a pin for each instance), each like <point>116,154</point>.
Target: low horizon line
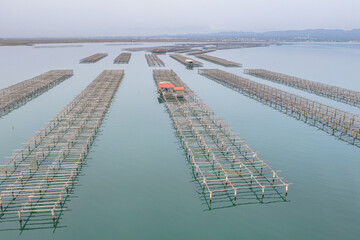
<point>179,34</point>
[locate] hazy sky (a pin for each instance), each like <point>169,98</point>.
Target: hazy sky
<point>55,18</point>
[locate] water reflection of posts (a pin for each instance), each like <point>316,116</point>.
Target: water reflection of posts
<point>333,92</point>
<point>39,178</point>
<point>18,94</point>
<point>220,160</point>
<point>345,125</point>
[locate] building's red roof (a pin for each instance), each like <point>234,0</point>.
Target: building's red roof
<point>165,85</point>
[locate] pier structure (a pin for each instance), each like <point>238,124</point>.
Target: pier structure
<point>93,58</point>
<point>344,125</point>
<point>333,92</point>
<point>182,59</point>
<point>20,93</point>
<point>225,167</point>
<point>218,60</point>
<point>123,58</point>
<point>38,179</point>
<point>154,61</point>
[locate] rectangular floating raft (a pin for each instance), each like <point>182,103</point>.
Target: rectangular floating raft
<point>39,178</point>
<point>200,51</point>
<point>223,164</point>
<point>123,58</point>
<point>333,92</point>
<point>182,59</point>
<point>93,58</point>
<point>220,61</point>
<point>332,120</point>
<point>18,94</point>
<point>154,61</point>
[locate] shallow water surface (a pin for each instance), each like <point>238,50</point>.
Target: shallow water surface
<point>137,183</point>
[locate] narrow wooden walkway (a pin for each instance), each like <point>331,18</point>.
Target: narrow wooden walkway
<point>18,94</point>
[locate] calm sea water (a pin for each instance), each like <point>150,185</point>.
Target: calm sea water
<point>137,183</point>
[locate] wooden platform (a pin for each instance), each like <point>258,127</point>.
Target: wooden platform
<point>344,125</point>
<point>123,58</point>
<point>220,61</point>
<point>227,169</point>
<point>333,92</point>
<point>19,94</point>
<point>200,51</point>
<point>181,59</point>
<point>154,61</point>
<point>37,181</point>
<point>93,58</point>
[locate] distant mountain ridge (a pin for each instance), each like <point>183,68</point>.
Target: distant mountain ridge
<point>314,35</point>
<point>287,35</point>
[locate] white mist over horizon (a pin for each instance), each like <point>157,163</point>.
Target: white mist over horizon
<point>84,18</point>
